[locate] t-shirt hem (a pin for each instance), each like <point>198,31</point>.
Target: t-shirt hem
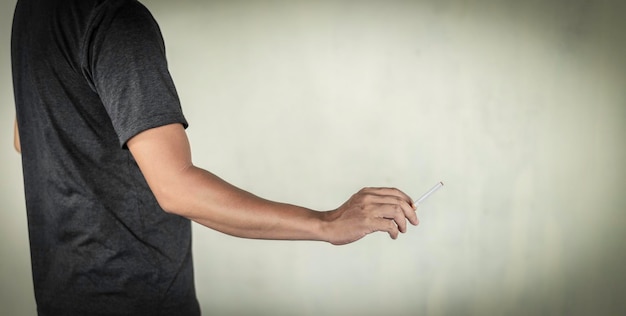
<point>147,123</point>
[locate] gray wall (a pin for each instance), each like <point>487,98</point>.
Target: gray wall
<point>518,106</point>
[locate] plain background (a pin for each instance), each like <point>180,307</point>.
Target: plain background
<point>518,106</point>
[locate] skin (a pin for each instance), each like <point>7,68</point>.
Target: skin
<point>16,138</point>
<point>164,156</point>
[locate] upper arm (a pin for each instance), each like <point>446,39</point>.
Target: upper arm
<point>127,66</point>
<point>16,138</point>
<point>162,154</point>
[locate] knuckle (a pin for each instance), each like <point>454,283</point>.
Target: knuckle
<point>367,198</point>
<point>393,190</point>
<point>397,208</point>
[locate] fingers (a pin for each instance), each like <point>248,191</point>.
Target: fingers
<point>393,212</point>
<point>391,209</point>
<point>385,225</point>
<point>391,192</point>
<point>391,204</point>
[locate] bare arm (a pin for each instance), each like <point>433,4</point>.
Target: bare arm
<point>164,157</point>
<point>16,138</point>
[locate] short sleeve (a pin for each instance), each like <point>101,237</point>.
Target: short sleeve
<point>129,71</point>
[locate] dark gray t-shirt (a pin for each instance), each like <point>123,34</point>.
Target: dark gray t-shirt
<point>89,75</point>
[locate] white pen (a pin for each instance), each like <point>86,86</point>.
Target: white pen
<point>427,194</point>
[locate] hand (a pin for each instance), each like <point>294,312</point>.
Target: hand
<point>368,211</point>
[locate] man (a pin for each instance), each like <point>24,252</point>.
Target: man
<point>109,181</point>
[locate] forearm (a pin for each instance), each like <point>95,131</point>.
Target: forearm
<point>208,200</point>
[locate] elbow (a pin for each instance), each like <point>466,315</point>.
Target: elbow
<point>175,192</point>
<point>170,202</point>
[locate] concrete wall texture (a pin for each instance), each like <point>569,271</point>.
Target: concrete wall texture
<point>518,106</point>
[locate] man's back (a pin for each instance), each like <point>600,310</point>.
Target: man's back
<point>89,75</point>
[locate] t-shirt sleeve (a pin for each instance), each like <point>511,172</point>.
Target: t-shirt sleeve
<point>129,72</point>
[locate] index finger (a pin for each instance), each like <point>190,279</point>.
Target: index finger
<point>392,191</point>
